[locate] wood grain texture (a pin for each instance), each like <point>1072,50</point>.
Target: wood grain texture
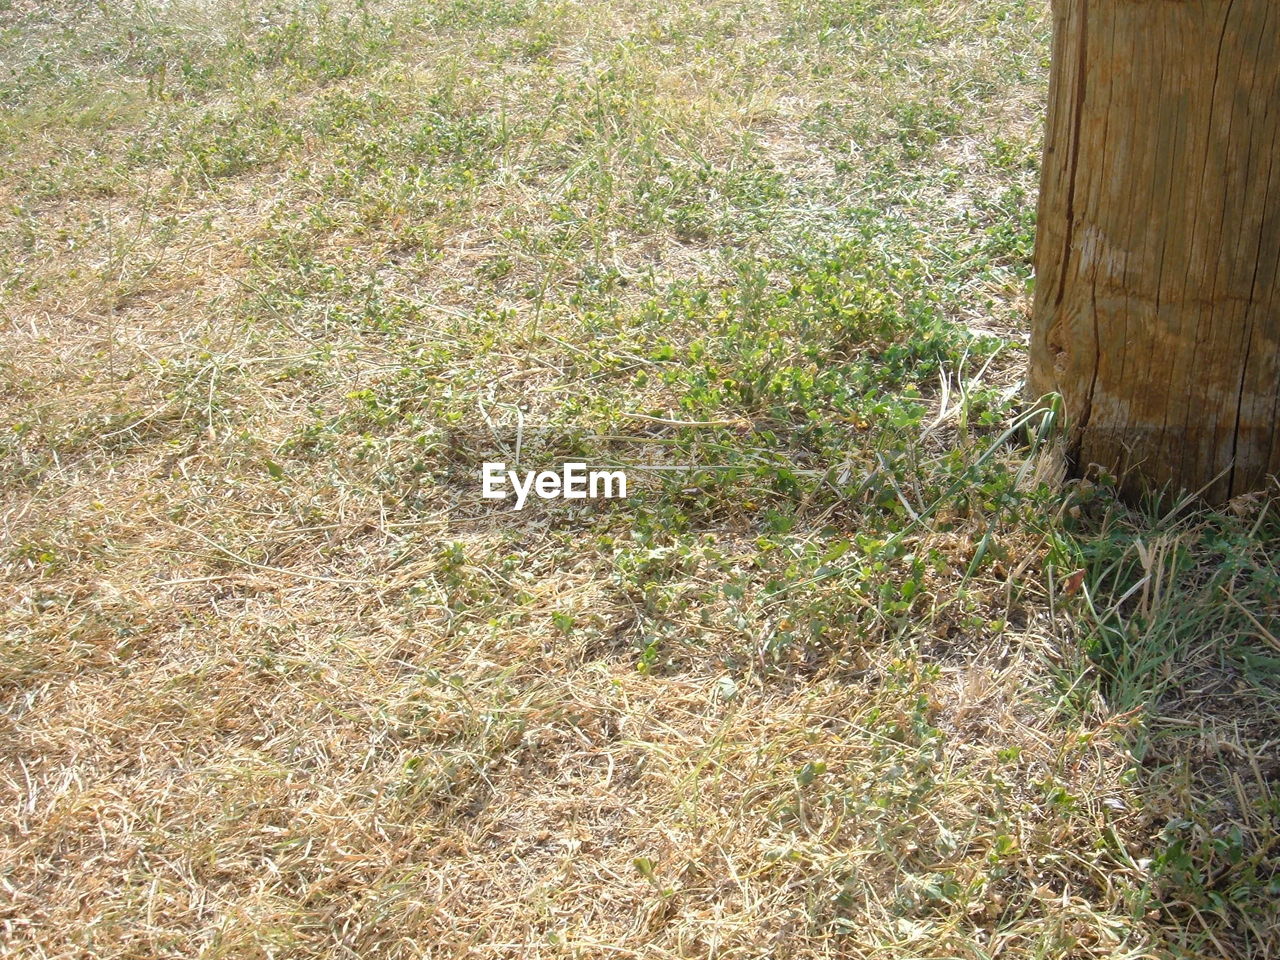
<point>1157,307</point>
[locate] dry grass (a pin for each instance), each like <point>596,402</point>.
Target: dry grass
<point>277,683</point>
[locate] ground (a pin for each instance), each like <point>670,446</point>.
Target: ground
<point>277,682</point>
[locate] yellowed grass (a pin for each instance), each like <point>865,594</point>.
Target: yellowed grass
<point>257,715</point>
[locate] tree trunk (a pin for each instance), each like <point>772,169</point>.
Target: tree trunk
<point>1157,304</point>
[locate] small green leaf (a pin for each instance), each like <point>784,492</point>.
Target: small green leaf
<point>810,772</point>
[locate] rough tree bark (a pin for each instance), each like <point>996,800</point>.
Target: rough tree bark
<point>1157,306</point>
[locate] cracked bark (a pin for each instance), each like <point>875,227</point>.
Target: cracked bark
<point>1157,309</point>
